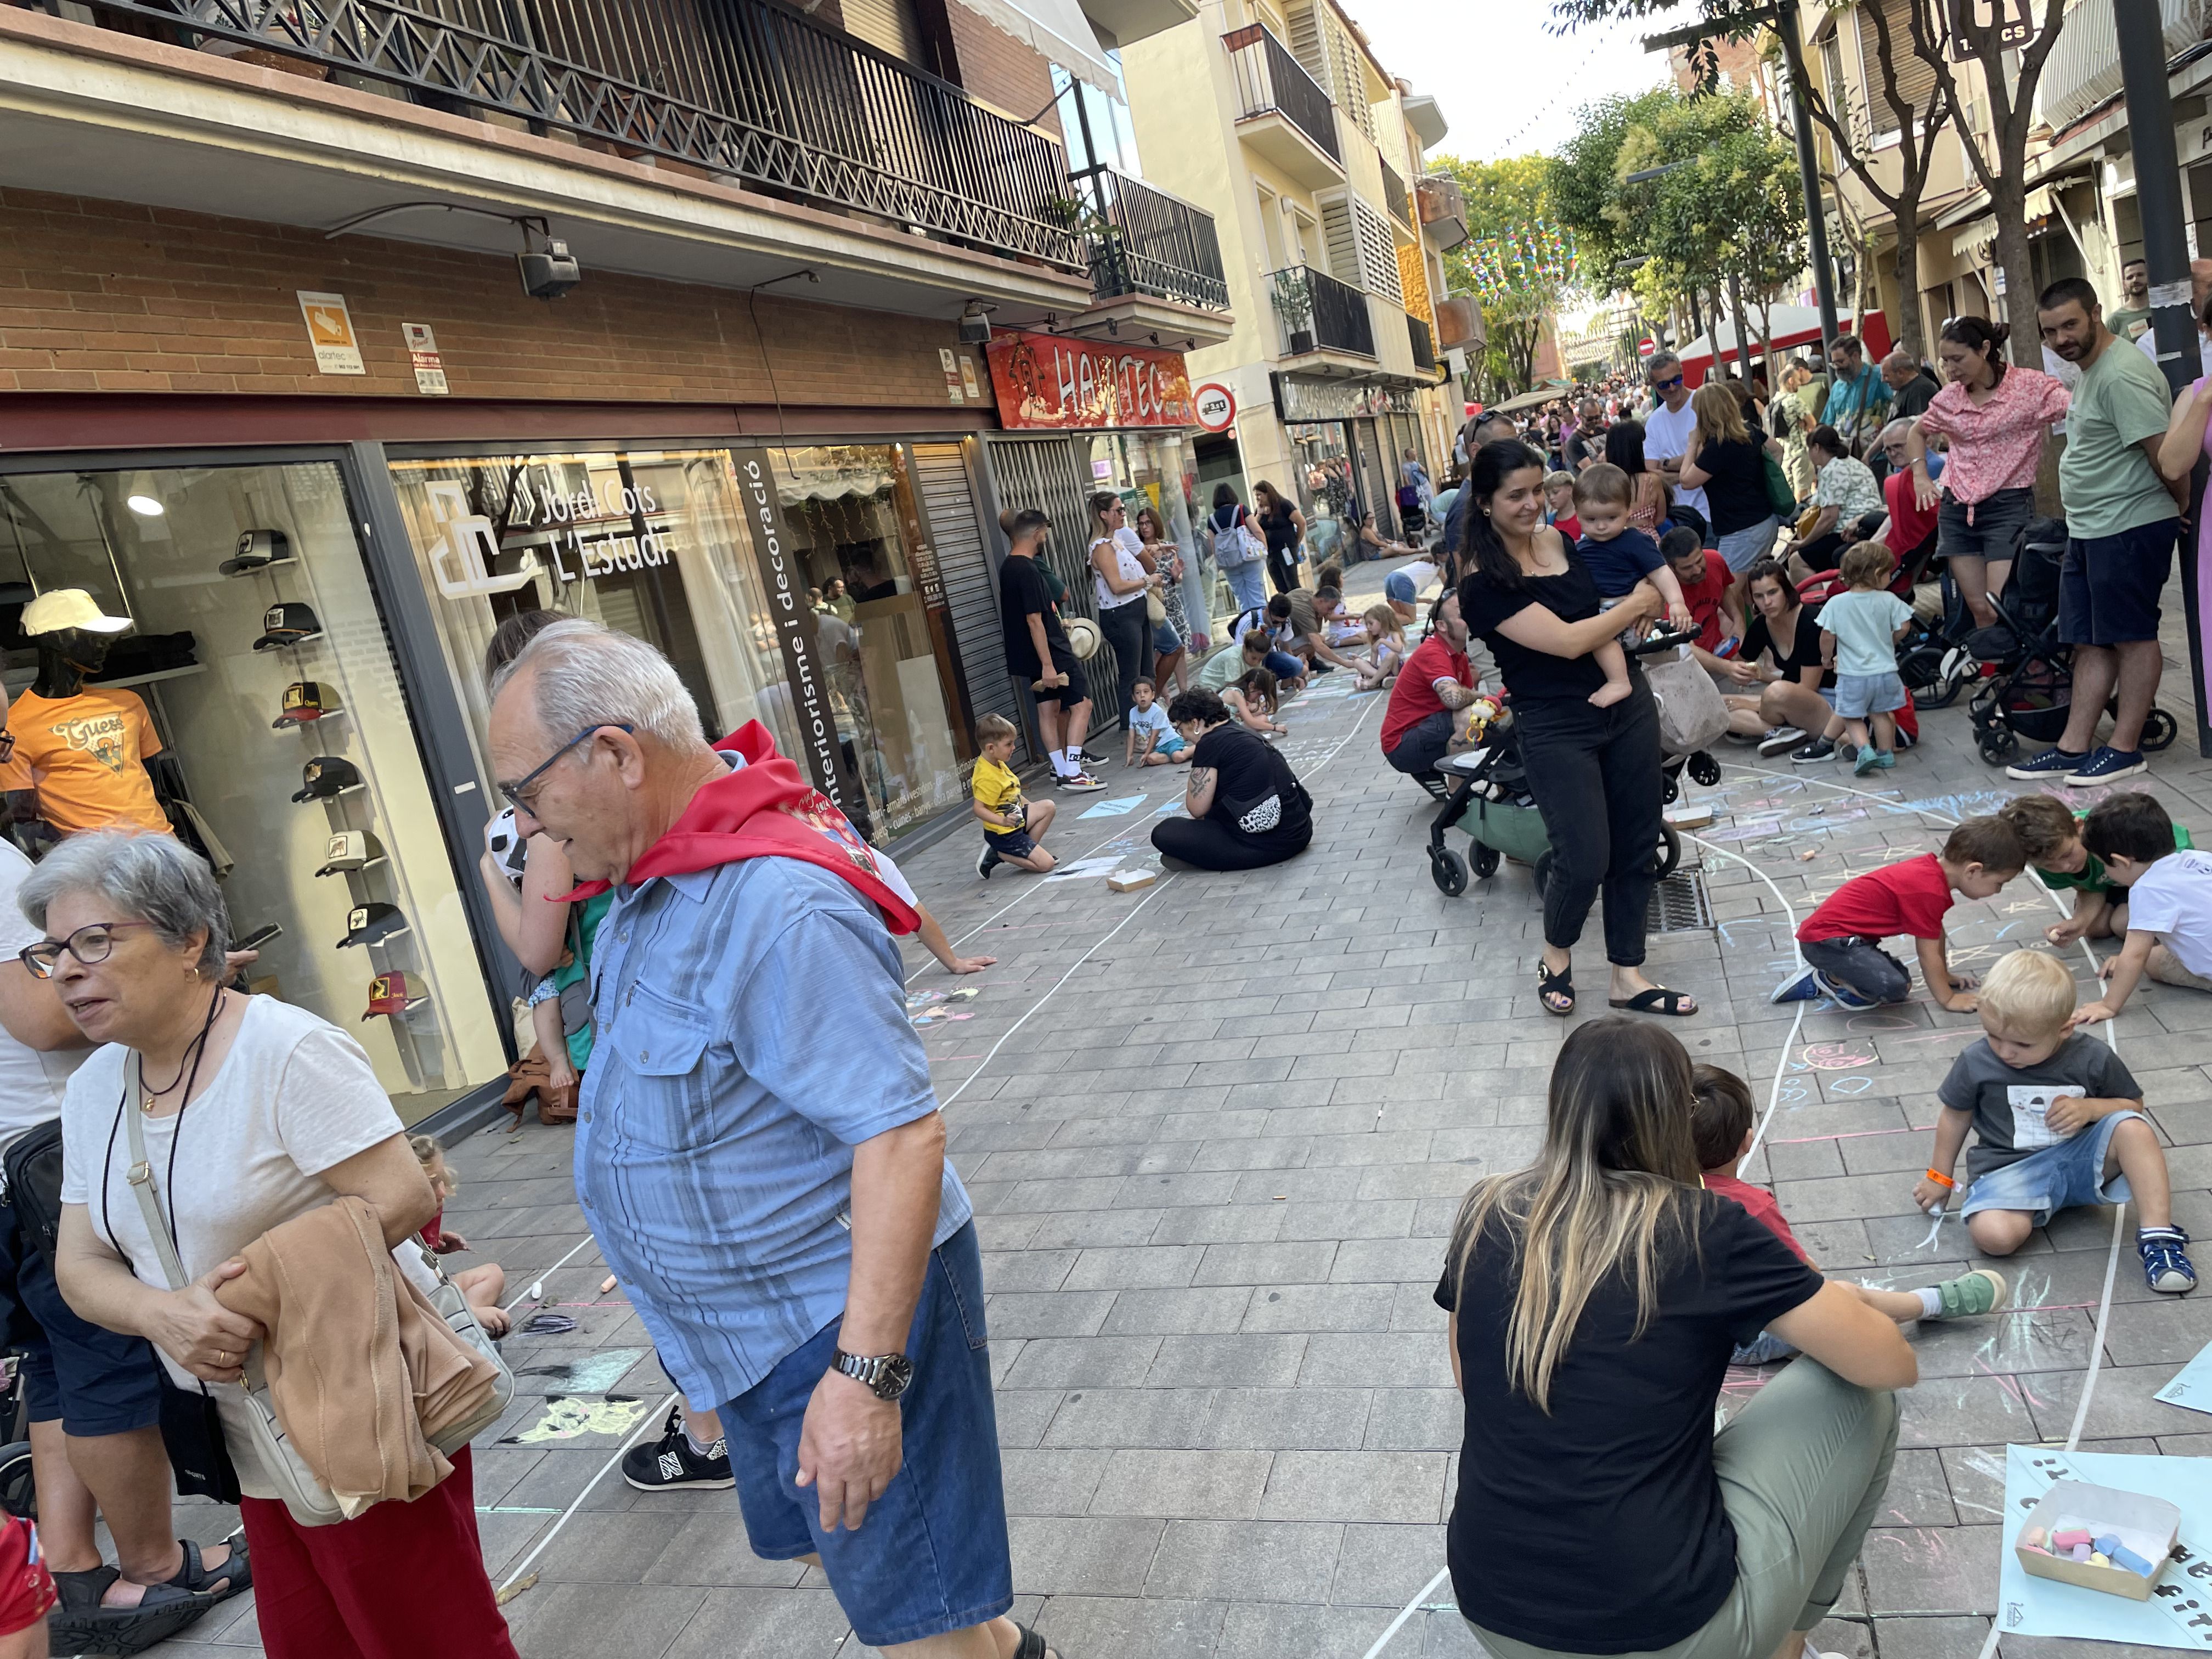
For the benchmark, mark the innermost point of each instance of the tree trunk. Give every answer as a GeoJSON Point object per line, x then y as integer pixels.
{"type": "Point", "coordinates": [2009, 204]}
{"type": "Point", "coordinates": [1766, 344]}
{"type": "Point", "coordinates": [1910, 335]}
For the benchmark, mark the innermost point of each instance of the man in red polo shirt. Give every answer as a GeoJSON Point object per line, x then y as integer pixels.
{"type": "Point", "coordinates": [1909, 529]}
{"type": "Point", "coordinates": [1436, 681]}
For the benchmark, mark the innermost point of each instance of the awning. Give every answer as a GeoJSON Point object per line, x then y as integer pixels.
{"type": "Point", "coordinates": [1056, 29]}
{"type": "Point", "coordinates": [1973, 240]}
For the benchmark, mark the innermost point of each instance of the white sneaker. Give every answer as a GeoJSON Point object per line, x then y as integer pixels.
{"type": "Point", "coordinates": [1080, 783]}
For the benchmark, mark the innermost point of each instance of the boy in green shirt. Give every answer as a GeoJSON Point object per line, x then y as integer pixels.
{"type": "Point", "coordinates": [2050, 834]}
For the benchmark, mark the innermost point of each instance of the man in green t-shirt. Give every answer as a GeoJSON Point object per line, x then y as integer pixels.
{"type": "Point", "coordinates": [2122, 516]}
{"type": "Point", "coordinates": [2131, 318]}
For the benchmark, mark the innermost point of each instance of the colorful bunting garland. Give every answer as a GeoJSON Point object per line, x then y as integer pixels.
{"type": "Point", "coordinates": [1536, 255]}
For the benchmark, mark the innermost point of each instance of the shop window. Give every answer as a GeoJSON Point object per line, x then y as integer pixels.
{"type": "Point", "coordinates": [884, 632]}
{"type": "Point", "coordinates": [257, 696]}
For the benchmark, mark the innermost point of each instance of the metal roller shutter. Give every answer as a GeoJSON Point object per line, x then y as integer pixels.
{"type": "Point", "coordinates": [940, 472]}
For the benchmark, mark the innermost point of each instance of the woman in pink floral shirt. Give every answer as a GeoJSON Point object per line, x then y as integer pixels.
{"type": "Point", "coordinates": [1995, 413]}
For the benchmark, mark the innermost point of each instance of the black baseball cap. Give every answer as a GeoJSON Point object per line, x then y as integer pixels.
{"type": "Point", "coordinates": [324, 776]}
{"type": "Point", "coordinates": [304, 700]}
{"type": "Point", "coordinates": [370, 924]}
{"type": "Point", "coordinates": [287, 624]}
{"type": "Point", "coordinates": [255, 549]}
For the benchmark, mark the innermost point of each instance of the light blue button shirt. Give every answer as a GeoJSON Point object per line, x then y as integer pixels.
{"type": "Point", "coordinates": [751, 1030]}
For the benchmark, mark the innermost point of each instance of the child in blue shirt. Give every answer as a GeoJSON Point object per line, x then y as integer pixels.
{"type": "Point", "coordinates": [1618, 556]}
{"type": "Point", "coordinates": [1859, 631]}
{"type": "Point", "coordinates": [1153, 741]}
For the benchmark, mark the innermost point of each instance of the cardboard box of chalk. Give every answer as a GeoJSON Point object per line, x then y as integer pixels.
{"type": "Point", "coordinates": [1128, 881]}
{"type": "Point", "coordinates": [2099, 1538]}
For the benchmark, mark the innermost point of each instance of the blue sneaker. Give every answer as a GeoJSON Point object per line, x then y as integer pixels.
{"type": "Point", "coordinates": [2107, 764]}
{"type": "Point", "coordinates": [2165, 1260]}
{"type": "Point", "coordinates": [2053, 765]}
{"type": "Point", "coordinates": [1842, 995]}
{"type": "Point", "coordinates": [1800, 986]}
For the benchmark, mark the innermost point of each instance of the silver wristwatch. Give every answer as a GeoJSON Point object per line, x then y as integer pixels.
{"type": "Point", "coordinates": [886, 1374]}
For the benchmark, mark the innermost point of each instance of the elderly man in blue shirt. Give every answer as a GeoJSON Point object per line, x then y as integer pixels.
{"type": "Point", "coordinates": [760, 1154]}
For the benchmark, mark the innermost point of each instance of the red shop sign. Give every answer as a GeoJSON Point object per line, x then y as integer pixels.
{"type": "Point", "coordinates": [1045, 382]}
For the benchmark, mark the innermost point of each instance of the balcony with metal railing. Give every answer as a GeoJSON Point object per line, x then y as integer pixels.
{"type": "Point", "coordinates": [1282, 110]}
{"type": "Point", "coordinates": [747, 92]}
{"type": "Point", "coordinates": [1424, 351]}
{"type": "Point", "coordinates": [1141, 240]}
{"type": "Point", "coordinates": [1397, 198]}
{"type": "Point", "coordinates": [1316, 312]}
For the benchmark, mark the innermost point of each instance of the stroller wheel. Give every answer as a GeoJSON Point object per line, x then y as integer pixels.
{"type": "Point", "coordinates": [1449, 871]}
{"type": "Point", "coordinates": [1671, 789]}
{"type": "Point", "coordinates": [1670, 853]}
{"type": "Point", "coordinates": [2160, 731]}
{"type": "Point", "coordinates": [1486, 860]}
{"type": "Point", "coordinates": [1999, 743]}
{"type": "Point", "coordinates": [1703, 768]}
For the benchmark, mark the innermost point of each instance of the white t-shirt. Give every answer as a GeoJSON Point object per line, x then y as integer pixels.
{"type": "Point", "coordinates": [32, 1085]}
{"type": "Point", "coordinates": [294, 1095]}
{"type": "Point", "coordinates": [2174, 899]}
{"type": "Point", "coordinates": [1667, 434]}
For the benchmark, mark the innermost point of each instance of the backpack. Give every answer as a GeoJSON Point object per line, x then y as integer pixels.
{"type": "Point", "coordinates": [1234, 543]}
{"type": "Point", "coordinates": [1408, 498]}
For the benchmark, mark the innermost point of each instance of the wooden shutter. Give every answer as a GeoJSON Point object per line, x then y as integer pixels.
{"type": "Point", "coordinates": [888, 26]}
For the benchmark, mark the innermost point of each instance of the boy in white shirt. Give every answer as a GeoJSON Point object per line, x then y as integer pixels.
{"type": "Point", "coordinates": [2169, 902]}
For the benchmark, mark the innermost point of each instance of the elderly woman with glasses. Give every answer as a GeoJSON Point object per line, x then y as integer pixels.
{"type": "Point", "coordinates": [253, 1112]}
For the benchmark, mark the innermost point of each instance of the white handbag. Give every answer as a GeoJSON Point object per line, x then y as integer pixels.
{"type": "Point", "coordinates": [1692, 711]}
{"type": "Point", "coordinates": [311, 1503]}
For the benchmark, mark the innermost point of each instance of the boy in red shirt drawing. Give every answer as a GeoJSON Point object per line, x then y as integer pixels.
{"type": "Point", "coordinates": [1841, 940]}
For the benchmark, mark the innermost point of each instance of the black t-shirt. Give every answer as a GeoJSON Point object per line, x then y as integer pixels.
{"type": "Point", "coordinates": [1737, 490]}
{"type": "Point", "coordinates": [1255, 791]}
{"type": "Point", "coordinates": [1587, 445]}
{"type": "Point", "coordinates": [1803, 651]}
{"type": "Point", "coordinates": [1022, 594]}
{"type": "Point", "coordinates": [1911, 402]}
{"type": "Point", "coordinates": [1534, 676]}
{"type": "Point", "coordinates": [1282, 535]}
{"type": "Point", "coordinates": [1620, 1472]}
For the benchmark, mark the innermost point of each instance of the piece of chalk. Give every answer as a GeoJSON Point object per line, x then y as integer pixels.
{"type": "Point", "coordinates": [2099, 1559]}
{"type": "Point", "coordinates": [2034, 1537]}
{"type": "Point", "coordinates": [2079, 1552]}
{"type": "Point", "coordinates": [2108, 1544]}
{"type": "Point", "coordinates": [2123, 1557]}
{"type": "Point", "coordinates": [2069, 1537]}
{"type": "Point", "coordinates": [2037, 1548]}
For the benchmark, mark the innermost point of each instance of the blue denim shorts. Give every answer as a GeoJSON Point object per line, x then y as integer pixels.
{"type": "Point", "coordinates": [93, 1380]}
{"type": "Point", "coordinates": [1398, 586]}
{"type": "Point", "coordinates": [931, 1555]}
{"type": "Point", "coordinates": [1858, 695]}
{"type": "Point", "coordinates": [2055, 1178]}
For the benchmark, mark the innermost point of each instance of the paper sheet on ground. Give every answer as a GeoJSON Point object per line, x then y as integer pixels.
{"type": "Point", "coordinates": [2179, 1612]}
{"type": "Point", "coordinates": [2192, 1385]}
{"type": "Point", "coordinates": [1115, 808]}
{"type": "Point", "coordinates": [1082, 867]}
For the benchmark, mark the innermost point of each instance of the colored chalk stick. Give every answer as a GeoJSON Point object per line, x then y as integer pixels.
{"type": "Point", "coordinates": [2033, 1538]}
{"type": "Point", "coordinates": [2068, 1539]}
{"type": "Point", "coordinates": [2106, 1545]}
{"type": "Point", "coordinates": [2099, 1559]}
{"type": "Point", "coordinates": [2123, 1557]}
{"type": "Point", "coordinates": [2079, 1552]}
{"type": "Point", "coordinates": [2037, 1548]}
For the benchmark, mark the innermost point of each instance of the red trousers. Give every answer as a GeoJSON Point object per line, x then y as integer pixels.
{"type": "Point", "coordinates": [400, 1581]}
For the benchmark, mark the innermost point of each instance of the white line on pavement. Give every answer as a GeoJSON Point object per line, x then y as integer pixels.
{"type": "Point", "coordinates": [659, 1413]}
{"type": "Point", "coordinates": [1797, 1022]}
{"type": "Point", "coordinates": [1406, 1613]}
{"type": "Point", "coordinates": [540, 1278]}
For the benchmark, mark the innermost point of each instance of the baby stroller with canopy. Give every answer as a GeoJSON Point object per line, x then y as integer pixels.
{"type": "Point", "coordinates": [2028, 691]}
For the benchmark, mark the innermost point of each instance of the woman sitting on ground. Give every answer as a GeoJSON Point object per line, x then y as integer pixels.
{"type": "Point", "coordinates": [1247, 809]}
{"type": "Point", "coordinates": [1595, 1298]}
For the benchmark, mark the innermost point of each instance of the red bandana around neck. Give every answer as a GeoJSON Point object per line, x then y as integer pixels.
{"type": "Point", "coordinates": [764, 809]}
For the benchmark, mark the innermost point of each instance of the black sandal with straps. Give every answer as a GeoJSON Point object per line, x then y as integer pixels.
{"type": "Point", "coordinates": [1550, 985]}
{"type": "Point", "coordinates": [1033, 1646]}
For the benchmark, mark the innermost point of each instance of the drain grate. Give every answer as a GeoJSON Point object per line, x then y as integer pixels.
{"type": "Point", "coordinates": [1680, 904]}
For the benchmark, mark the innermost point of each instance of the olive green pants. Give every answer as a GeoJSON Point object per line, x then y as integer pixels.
{"type": "Point", "coordinates": [1803, 1469]}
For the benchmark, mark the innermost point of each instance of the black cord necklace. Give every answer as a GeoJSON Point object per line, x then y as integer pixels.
{"type": "Point", "coordinates": [187, 1066]}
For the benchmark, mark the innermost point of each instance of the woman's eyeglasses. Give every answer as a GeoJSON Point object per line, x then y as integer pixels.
{"type": "Point", "coordinates": [90, 945]}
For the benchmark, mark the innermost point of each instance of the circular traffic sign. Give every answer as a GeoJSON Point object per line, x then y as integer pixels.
{"type": "Point", "coordinates": [1647, 345]}
{"type": "Point", "coordinates": [1216, 405]}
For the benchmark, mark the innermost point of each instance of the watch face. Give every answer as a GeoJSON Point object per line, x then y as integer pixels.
{"type": "Point", "coordinates": [898, 1372]}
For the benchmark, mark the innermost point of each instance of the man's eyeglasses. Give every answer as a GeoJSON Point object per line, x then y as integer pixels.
{"type": "Point", "coordinates": [7, 746]}
{"type": "Point", "coordinates": [90, 945]}
{"type": "Point", "coordinates": [518, 793]}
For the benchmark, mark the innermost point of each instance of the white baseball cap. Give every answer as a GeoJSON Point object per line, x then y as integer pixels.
{"type": "Point", "coordinates": [66, 608]}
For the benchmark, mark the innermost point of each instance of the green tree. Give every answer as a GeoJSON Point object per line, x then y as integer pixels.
{"type": "Point", "coordinates": [1519, 260]}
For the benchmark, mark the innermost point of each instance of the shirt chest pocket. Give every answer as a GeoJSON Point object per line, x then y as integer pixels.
{"type": "Point", "coordinates": [656, 1035]}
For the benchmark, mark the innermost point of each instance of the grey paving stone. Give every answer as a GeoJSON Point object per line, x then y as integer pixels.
{"type": "Point", "coordinates": [1361, 1485]}
{"type": "Point", "coordinates": [1105, 1625]}
{"type": "Point", "coordinates": [745, 1624]}
{"type": "Point", "coordinates": [1260, 1560]}
{"type": "Point", "coordinates": [1095, 1555]}
{"type": "Point", "coordinates": [1115, 1418]}
{"type": "Point", "coordinates": [1239, 1362]}
{"type": "Point", "coordinates": [1213, 1308]}
{"type": "Point", "coordinates": [1198, 1486]}
{"type": "Point", "coordinates": [1307, 1419]}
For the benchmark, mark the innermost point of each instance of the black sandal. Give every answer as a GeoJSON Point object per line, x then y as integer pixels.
{"type": "Point", "coordinates": [1550, 985]}
{"type": "Point", "coordinates": [1677, 1005]}
{"type": "Point", "coordinates": [79, 1624]}
{"type": "Point", "coordinates": [1032, 1645]}
{"type": "Point", "coordinates": [236, 1574]}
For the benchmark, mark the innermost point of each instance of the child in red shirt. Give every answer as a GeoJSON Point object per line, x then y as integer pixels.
{"type": "Point", "coordinates": [1841, 940]}
{"type": "Point", "coordinates": [27, 1591]}
{"type": "Point", "coordinates": [1720, 1122]}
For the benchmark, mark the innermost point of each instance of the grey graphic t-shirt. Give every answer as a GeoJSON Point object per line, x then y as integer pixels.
{"type": "Point", "coordinates": [2009, 1103]}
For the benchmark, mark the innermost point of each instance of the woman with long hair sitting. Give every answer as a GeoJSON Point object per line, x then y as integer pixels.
{"type": "Point", "coordinates": [1595, 1298]}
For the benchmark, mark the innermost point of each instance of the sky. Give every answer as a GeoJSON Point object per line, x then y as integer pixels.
{"type": "Point", "coordinates": [1522, 97]}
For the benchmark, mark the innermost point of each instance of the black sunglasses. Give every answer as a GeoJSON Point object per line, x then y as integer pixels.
{"type": "Point", "coordinates": [1666, 386]}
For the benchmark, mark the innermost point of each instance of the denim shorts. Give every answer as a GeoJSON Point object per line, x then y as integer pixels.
{"type": "Point", "coordinates": [1742, 548]}
{"type": "Point", "coordinates": [2055, 1178]}
{"type": "Point", "coordinates": [2109, 587]}
{"type": "Point", "coordinates": [1398, 586]}
{"type": "Point", "coordinates": [931, 1555]}
{"type": "Point", "coordinates": [1009, 843]}
{"type": "Point", "coordinates": [1858, 695]}
{"type": "Point", "coordinates": [94, 1381]}
{"type": "Point", "coordinates": [1994, 531]}
{"type": "Point", "coordinates": [1166, 640]}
